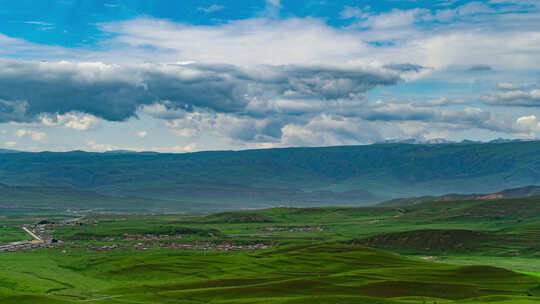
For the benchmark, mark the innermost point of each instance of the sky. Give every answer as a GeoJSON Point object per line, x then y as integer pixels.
{"type": "Point", "coordinates": [185, 76]}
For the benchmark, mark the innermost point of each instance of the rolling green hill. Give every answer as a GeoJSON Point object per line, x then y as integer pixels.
{"type": "Point", "coordinates": [509, 193]}
{"type": "Point", "coordinates": [310, 176]}
{"type": "Point", "coordinates": [443, 252]}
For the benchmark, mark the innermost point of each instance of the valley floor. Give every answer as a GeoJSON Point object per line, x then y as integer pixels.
{"type": "Point", "coordinates": [456, 252]}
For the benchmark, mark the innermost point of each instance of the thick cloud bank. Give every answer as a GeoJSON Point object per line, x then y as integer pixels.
{"type": "Point", "coordinates": [115, 92]}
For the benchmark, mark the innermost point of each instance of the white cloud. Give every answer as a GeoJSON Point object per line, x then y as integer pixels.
{"type": "Point", "coordinates": [472, 35]}
{"type": "Point", "coordinates": [354, 12]}
{"type": "Point", "coordinates": [403, 34]}
{"type": "Point", "coordinates": [33, 135]}
{"type": "Point", "coordinates": [190, 147]}
{"type": "Point", "coordinates": [394, 18]}
{"type": "Point", "coordinates": [326, 130]}
{"type": "Point", "coordinates": [514, 97]}
{"type": "Point", "coordinates": [508, 86]}
{"type": "Point", "coordinates": [91, 145]}
{"type": "Point", "coordinates": [10, 144]}
{"type": "Point", "coordinates": [281, 123]}
{"type": "Point", "coordinates": [472, 8]}
{"type": "Point", "coordinates": [38, 23]}
{"type": "Point", "coordinates": [529, 125]}
{"type": "Point", "coordinates": [251, 41]}
{"type": "Point", "coordinates": [212, 8]}
{"type": "Point", "coordinates": [141, 134]}
{"type": "Point", "coordinates": [75, 121]}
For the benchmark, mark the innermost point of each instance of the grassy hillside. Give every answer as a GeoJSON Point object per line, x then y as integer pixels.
{"type": "Point", "coordinates": [508, 193]}
{"type": "Point", "coordinates": [330, 273]}
{"type": "Point", "coordinates": [316, 176]}
{"type": "Point", "coordinates": [499, 243]}
{"type": "Point", "coordinates": [447, 252]}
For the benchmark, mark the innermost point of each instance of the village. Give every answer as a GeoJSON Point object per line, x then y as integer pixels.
{"type": "Point", "coordinates": [198, 246]}
{"type": "Point", "coordinates": [42, 238]}
{"type": "Point", "coordinates": [293, 228]}
{"type": "Point", "coordinates": [39, 239]}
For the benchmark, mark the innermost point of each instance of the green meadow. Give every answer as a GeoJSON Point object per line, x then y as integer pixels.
{"type": "Point", "coordinates": [476, 251]}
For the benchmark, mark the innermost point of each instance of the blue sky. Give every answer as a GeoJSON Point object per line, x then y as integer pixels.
{"type": "Point", "coordinates": [182, 76]}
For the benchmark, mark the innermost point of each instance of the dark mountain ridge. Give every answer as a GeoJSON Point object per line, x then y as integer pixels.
{"type": "Point", "coordinates": [324, 175]}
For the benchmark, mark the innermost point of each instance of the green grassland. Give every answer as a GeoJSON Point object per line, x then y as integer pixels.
{"type": "Point", "coordinates": [331, 273]}
{"type": "Point", "coordinates": [468, 251]}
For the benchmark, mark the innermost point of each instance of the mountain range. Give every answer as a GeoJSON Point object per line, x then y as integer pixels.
{"type": "Point", "coordinates": [344, 175]}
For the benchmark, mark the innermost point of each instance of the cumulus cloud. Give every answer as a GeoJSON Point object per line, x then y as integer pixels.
{"type": "Point", "coordinates": [529, 125]}
{"type": "Point", "coordinates": [75, 121]}
{"type": "Point", "coordinates": [91, 145]}
{"type": "Point", "coordinates": [273, 87]}
{"type": "Point", "coordinates": [354, 12]}
{"type": "Point", "coordinates": [508, 86]}
{"type": "Point", "coordinates": [141, 134]}
{"type": "Point", "coordinates": [335, 122]}
{"type": "Point", "coordinates": [328, 130]}
{"type": "Point", "coordinates": [115, 92]}
{"type": "Point", "coordinates": [513, 97]}
{"type": "Point", "coordinates": [529, 122]}
{"type": "Point", "coordinates": [394, 18]}
{"type": "Point", "coordinates": [229, 126]}
{"type": "Point", "coordinates": [36, 136]}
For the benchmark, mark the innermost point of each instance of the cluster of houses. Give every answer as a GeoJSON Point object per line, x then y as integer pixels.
{"type": "Point", "coordinates": [105, 248]}
{"type": "Point", "coordinates": [43, 239]}
{"type": "Point", "coordinates": [143, 237]}
{"type": "Point", "coordinates": [201, 246]}
{"type": "Point", "coordinates": [46, 223]}
{"type": "Point", "coordinates": [293, 228]}
{"type": "Point", "coordinates": [40, 239]}
{"type": "Point", "coordinates": [28, 245]}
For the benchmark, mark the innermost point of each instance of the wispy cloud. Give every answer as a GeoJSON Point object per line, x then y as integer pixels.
{"type": "Point", "coordinates": [211, 8]}
{"type": "Point", "coordinates": [39, 23]}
